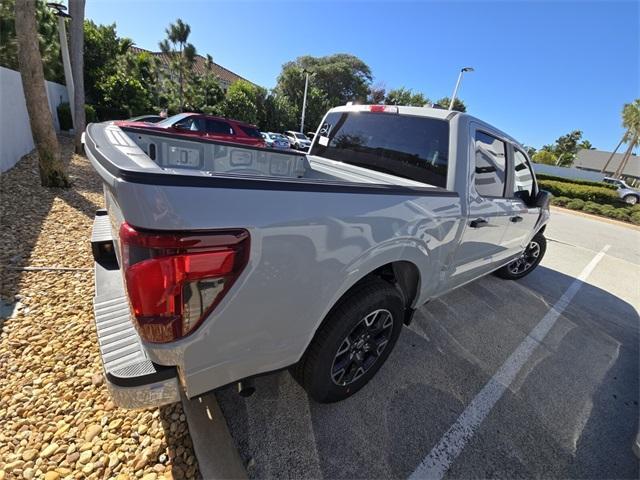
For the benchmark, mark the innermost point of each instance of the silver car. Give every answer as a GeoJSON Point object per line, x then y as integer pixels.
{"type": "Point", "coordinates": [625, 192]}
{"type": "Point", "coordinates": [298, 140]}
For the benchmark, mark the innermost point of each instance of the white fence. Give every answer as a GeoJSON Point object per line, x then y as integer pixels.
{"type": "Point", "coordinates": [15, 131]}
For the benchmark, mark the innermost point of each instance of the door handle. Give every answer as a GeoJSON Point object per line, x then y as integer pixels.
{"type": "Point", "coordinates": [516, 219]}
{"type": "Point", "coordinates": [479, 223]}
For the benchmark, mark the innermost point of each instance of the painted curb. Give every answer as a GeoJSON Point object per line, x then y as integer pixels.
{"type": "Point", "coordinates": [217, 455]}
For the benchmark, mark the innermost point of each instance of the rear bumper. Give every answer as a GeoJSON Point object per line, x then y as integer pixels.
{"type": "Point", "coordinates": [132, 379]}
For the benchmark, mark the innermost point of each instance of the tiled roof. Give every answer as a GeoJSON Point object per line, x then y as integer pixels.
{"type": "Point", "coordinates": [224, 74]}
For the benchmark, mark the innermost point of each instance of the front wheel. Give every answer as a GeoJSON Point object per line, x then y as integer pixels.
{"type": "Point", "coordinates": [630, 199]}
{"type": "Point", "coordinates": [527, 262]}
{"type": "Point", "coordinates": [353, 342]}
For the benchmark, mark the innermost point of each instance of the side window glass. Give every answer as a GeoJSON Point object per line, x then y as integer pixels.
{"type": "Point", "coordinates": [192, 124]}
{"type": "Point", "coordinates": [218, 127]}
{"type": "Point", "coordinates": [491, 161]}
{"type": "Point", "coordinates": [523, 176]}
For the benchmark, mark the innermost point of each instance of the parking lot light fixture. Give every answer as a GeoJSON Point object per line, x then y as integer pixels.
{"type": "Point", "coordinates": [455, 90]}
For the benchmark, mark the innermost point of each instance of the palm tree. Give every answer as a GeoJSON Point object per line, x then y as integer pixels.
{"type": "Point", "coordinates": [177, 36]}
{"type": "Point", "coordinates": [76, 10]}
{"type": "Point", "coordinates": [624, 138]}
{"type": "Point", "coordinates": [51, 167]}
{"type": "Point", "coordinates": [631, 121]}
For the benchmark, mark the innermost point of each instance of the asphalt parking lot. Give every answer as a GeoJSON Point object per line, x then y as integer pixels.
{"type": "Point", "coordinates": [535, 378]}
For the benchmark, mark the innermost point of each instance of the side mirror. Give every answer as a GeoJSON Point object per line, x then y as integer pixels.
{"type": "Point", "coordinates": [523, 195]}
{"type": "Point", "coordinates": [543, 199]}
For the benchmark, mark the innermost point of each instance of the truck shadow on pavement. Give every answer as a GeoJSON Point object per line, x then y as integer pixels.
{"type": "Point", "coordinates": [572, 411]}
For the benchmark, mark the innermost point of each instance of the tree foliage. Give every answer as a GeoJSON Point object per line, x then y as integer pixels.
{"type": "Point", "coordinates": [242, 102]}
{"type": "Point", "coordinates": [458, 105]}
{"type": "Point", "coordinates": [207, 93]}
{"type": "Point", "coordinates": [545, 156]}
{"type": "Point", "coordinates": [565, 148]}
{"type": "Point", "coordinates": [333, 80]}
{"type": "Point", "coordinates": [49, 42]}
{"type": "Point", "coordinates": [404, 96]}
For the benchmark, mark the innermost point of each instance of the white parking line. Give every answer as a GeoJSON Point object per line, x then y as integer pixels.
{"type": "Point", "coordinates": [442, 456]}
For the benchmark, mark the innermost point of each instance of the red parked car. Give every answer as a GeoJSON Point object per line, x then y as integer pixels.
{"type": "Point", "coordinates": [203, 126]}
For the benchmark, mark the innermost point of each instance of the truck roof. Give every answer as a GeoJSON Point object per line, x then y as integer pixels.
{"type": "Point", "coordinates": [439, 113]}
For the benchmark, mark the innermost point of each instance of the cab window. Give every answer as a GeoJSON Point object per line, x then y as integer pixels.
{"type": "Point", "coordinates": [523, 184]}
{"type": "Point", "coordinates": [491, 164]}
{"type": "Point", "coordinates": [407, 146]}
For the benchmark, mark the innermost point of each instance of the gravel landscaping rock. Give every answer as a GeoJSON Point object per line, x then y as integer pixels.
{"type": "Point", "coordinates": [56, 417]}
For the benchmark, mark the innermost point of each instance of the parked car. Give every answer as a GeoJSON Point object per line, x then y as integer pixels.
{"type": "Point", "coordinates": [310, 135]}
{"type": "Point", "coordinates": [282, 138]}
{"type": "Point", "coordinates": [312, 262]}
{"type": "Point", "coordinates": [147, 119]}
{"type": "Point", "coordinates": [190, 125]}
{"type": "Point", "coordinates": [297, 140]}
{"type": "Point", "coordinates": [625, 192]}
{"type": "Point", "coordinates": [275, 141]}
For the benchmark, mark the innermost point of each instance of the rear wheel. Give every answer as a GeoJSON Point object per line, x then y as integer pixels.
{"type": "Point", "coordinates": [352, 344]}
{"type": "Point", "coordinates": [527, 262]}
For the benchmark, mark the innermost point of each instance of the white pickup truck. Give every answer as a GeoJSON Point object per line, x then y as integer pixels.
{"type": "Point", "coordinates": [217, 262]}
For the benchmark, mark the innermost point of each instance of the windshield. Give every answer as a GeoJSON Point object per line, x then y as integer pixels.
{"type": "Point", "coordinates": [301, 136]}
{"type": "Point", "coordinates": [411, 147]}
{"type": "Point", "coordinates": [167, 122]}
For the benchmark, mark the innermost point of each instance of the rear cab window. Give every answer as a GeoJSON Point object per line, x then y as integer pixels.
{"type": "Point", "coordinates": [524, 184]}
{"type": "Point", "coordinates": [407, 146]}
{"type": "Point", "coordinates": [490, 165]}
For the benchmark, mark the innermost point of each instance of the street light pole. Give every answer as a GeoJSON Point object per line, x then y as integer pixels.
{"type": "Point", "coordinates": [66, 60]}
{"type": "Point", "coordinates": [304, 100]}
{"type": "Point", "coordinates": [455, 90]}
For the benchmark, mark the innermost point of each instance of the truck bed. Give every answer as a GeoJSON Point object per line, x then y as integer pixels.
{"type": "Point", "coordinates": [135, 153]}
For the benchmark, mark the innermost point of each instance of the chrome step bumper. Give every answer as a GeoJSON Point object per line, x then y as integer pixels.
{"type": "Point", "coordinates": [133, 380]}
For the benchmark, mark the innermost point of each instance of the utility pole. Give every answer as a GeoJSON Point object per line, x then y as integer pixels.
{"type": "Point", "coordinates": [455, 90]}
{"type": "Point", "coordinates": [304, 100]}
{"type": "Point", "coordinates": [64, 50]}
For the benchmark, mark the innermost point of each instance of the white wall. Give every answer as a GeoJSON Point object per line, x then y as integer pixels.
{"type": "Point", "coordinates": [15, 132]}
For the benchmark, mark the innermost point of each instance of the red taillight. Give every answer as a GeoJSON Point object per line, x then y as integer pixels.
{"type": "Point", "coordinates": [175, 280]}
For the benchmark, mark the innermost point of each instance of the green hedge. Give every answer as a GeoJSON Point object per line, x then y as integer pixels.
{"type": "Point", "coordinates": [542, 176]}
{"type": "Point", "coordinates": [65, 119]}
{"type": "Point", "coordinates": [586, 193]}
{"type": "Point", "coordinates": [626, 214]}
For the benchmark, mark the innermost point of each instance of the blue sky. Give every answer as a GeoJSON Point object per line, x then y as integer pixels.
{"type": "Point", "coordinates": [543, 68]}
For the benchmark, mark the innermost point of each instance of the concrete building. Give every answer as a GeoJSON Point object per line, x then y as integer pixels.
{"type": "Point", "coordinates": [595, 160]}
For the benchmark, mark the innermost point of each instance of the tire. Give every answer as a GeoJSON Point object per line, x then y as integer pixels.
{"type": "Point", "coordinates": [527, 262]}
{"type": "Point", "coordinates": [341, 343]}
{"type": "Point", "coordinates": [630, 199]}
